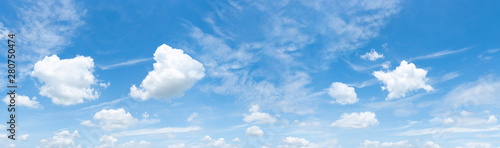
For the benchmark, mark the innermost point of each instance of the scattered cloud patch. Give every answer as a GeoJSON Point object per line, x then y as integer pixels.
{"type": "Point", "coordinates": [24, 101]}
{"type": "Point", "coordinates": [258, 117]}
{"type": "Point", "coordinates": [254, 131]}
{"type": "Point", "coordinates": [342, 93]}
{"type": "Point", "coordinates": [60, 139]}
{"type": "Point", "coordinates": [356, 120]}
{"type": "Point", "coordinates": [192, 117]}
{"type": "Point", "coordinates": [66, 81]}
{"type": "Point", "coordinates": [174, 72]}
{"type": "Point", "coordinates": [405, 78]}
{"type": "Point", "coordinates": [430, 144]}
{"type": "Point", "coordinates": [114, 119]}
{"type": "Point", "coordinates": [372, 55]}
{"type": "Point", "coordinates": [377, 144]}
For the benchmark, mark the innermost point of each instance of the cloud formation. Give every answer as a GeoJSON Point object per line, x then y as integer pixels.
{"type": "Point", "coordinates": [342, 93]}
{"type": "Point", "coordinates": [174, 72]}
{"type": "Point", "coordinates": [115, 119]}
{"type": "Point", "coordinates": [258, 117]}
{"type": "Point", "coordinates": [372, 55]}
{"type": "Point", "coordinates": [66, 81]}
{"type": "Point", "coordinates": [356, 120]}
{"type": "Point", "coordinates": [405, 78]}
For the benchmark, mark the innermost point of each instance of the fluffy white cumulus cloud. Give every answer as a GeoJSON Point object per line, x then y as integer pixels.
{"type": "Point", "coordinates": [258, 117]}
{"type": "Point", "coordinates": [66, 81]}
{"type": "Point", "coordinates": [342, 93]}
{"type": "Point", "coordinates": [24, 101]}
{"type": "Point", "coordinates": [356, 120]}
{"type": "Point", "coordinates": [213, 143]}
{"type": "Point", "coordinates": [115, 119]}
{"type": "Point", "coordinates": [60, 139]}
{"type": "Point", "coordinates": [254, 131]}
{"type": "Point", "coordinates": [372, 55]}
{"type": "Point", "coordinates": [430, 144]}
{"type": "Point", "coordinates": [295, 142]}
{"type": "Point", "coordinates": [405, 78]}
{"type": "Point", "coordinates": [174, 72]}
{"type": "Point", "coordinates": [377, 144]}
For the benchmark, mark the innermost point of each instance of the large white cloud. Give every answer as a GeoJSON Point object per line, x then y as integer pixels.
{"type": "Point", "coordinates": [377, 144]}
{"type": "Point", "coordinates": [115, 119]}
{"type": "Point", "coordinates": [66, 81]}
{"type": "Point", "coordinates": [258, 117]}
{"type": "Point", "coordinates": [24, 101]}
{"type": "Point", "coordinates": [60, 139]}
{"type": "Point", "coordinates": [174, 72]}
{"type": "Point", "coordinates": [356, 120]}
{"type": "Point", "coordinates": [254, 131]}
{"type": "Point", "coordinates": [372, 55]}
{"type": "Point", "coordinates": [405, 78]}
{"type": "Point", "coordinates": [342, 93]}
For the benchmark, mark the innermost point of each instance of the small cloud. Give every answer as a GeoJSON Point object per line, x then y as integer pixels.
{"type": "Point", "coordinates": [372, 55]}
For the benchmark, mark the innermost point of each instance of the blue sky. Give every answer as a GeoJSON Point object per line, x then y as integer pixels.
{"type": "Point", "coordinates": [281, 74]}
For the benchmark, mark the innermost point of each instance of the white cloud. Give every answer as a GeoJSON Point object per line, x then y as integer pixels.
{"type": "Point", "coordinates": [114, 119]}
{"type": "Point", "coordinates": [174, 72]}
{"type": "Point", "coordinates": [492, 120]}
{"type": "Point", "coordinates": [356, 120]}
{"type": "Point", "coordinates": [151, 131]}
{"type": "Point", "coordinates": [88, 123]}
{"type": "Point", "coordinates": [254, 131]}
{"type": "Point", "coordinates": [134, 144]}
{"type": "Point", "coordinates": [23, 137]}
{"type": "Point", "coordinates": [146, 120]}
{"type": "Point", "coordinates": [483, 56]}
{"type": "Point", "coordinates": [477, 145]}
{"type": "Point", "coordinates": [24, 101]}
{"type": "Point", "coordinates": [126, 63]}
{"type": "Point", "coordinates": [110, 142]}
{"type": "Point", "coordinates": [48, 25]}
{"type": "Point", "coordinates": [258, 117]}
{"type": "Point", "coordinates": [182, 145]}
{"type": "Point", "coordinates": [372, 55]}
{"type": "Point", "coordinates": [404, 79]}
{"type": "Point", "coordinates": [342, 93]}
{"type": "Point", "coordinates": [66, 81]}
{"type": "Point", "coordinates": [481, 92]}
{"type": "Point", "coordinates": [236, 139]}
{"type": "Point", "coordinates": [295, 142]}
{"type": "Point", "coordinates": [104, 85]}
{"type": "Point", "coordinates": [440, 53]}
{"type": "Point", "coordinates": [192, 116]}
{"type": "Point", "coordinates": [377, 144]}
{"type": "Point", "coordinates": [430, 131]}
{"type": "Point", "coordinates": [430, 144]}
{"type": "Point", "coordinates": [219, 143]}
{"type": "Point", "coordinates": [60, 139]}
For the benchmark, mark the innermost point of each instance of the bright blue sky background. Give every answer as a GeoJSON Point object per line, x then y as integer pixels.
{"type": "Point", "coordinates": [281, 56]}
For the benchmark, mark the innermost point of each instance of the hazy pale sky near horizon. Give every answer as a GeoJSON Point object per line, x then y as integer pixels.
{"type": "Point", "coordinates": [263, 74]}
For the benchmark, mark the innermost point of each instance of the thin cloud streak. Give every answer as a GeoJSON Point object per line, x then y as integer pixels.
{"type": "Point", "coordinates": [150, 131]}
{"type": "Point", "coordinates": [440, 53]}
{"type": "Point", "coordinates": [126, 63]}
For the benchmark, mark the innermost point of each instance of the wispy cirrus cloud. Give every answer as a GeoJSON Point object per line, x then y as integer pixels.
{"type": "Point", "coordinates": [126, 63]}
{"type": "Point", "coordinates": [440, 54]}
